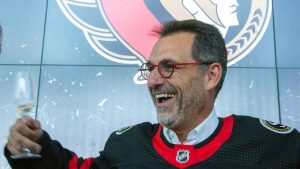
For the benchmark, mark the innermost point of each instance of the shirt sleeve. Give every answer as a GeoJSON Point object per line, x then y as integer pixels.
{"type": "Point", "coordinates": [54, 155]}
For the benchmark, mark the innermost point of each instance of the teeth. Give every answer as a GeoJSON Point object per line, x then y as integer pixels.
{"type": "Point", "coordinates": [159, 96]}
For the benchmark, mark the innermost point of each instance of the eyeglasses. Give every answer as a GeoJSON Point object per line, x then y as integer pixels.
{"type": "Point", "coordinates": [165, 68]}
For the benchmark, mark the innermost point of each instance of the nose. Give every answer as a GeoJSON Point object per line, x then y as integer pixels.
{"type": "Point", "coordinates": [155, 78]}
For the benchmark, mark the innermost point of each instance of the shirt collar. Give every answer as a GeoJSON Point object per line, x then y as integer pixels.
{"type": "Point", "coordinates": [198, 134]}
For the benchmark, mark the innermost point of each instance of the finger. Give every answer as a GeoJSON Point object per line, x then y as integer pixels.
{"type": "Point", "coordinates": [22, 128]}
{"type": "Point", "coordinates": [22, 136]}
{"type": "Point", "coordinates": [33, 124]}
{"type": "Point", "coordinates": [16, 142]}
{"type": "Point", "coordinates": [38, 133]}
{"type": "Point", "coordinates": [19, 142]}
{"type": "Point", "coordinates": [12, 149]}
{"type": "Point", "coordinates": [13, 146]}
{"type": "Point", "coordinates": [34, 148]}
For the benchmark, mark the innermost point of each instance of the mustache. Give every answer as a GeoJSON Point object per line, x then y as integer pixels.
{"type": "Point", "coordinates": [165, 88]}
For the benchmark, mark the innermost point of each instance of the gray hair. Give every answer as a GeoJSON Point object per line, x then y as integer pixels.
{"type": "Point", "coordinates": [208, 45]}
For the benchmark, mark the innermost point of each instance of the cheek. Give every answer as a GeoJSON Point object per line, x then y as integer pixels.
{"type": "Point", "coordinates": [187, 84]}
{"type": "Point", "coordinates": [194, 89]}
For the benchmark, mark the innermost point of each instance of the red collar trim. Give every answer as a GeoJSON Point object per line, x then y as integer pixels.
{"type": "Point", "coordinates": [182, 156]}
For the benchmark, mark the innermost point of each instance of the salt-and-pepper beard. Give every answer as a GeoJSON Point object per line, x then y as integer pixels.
{"type": "Point", "coordinates": [185, 106]}
{"type": "Point", "coordinates": [168, 122]}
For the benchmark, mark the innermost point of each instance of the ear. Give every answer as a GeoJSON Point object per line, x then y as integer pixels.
{"type": "Point", "coordinates": [213, 76]}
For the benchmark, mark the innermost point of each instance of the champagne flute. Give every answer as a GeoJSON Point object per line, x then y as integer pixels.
{"type": "Point", "coordinates": [24, 99]}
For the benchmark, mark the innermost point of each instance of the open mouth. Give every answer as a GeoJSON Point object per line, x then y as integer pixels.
{"type": "Point", "coordinates": [162, 98]}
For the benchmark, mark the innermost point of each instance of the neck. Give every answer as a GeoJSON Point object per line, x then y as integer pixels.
{"type": "Point", "coordinates": [182, 130]}
{"type": "Point", "coordinates": [182, 137]}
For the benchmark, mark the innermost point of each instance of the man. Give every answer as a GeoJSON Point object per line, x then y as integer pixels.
{"type": "Point", "coordinates": [185, 72]}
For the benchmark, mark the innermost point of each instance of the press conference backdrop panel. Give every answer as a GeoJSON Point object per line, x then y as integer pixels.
{"type": "Point", "coordinates": [84, 91]}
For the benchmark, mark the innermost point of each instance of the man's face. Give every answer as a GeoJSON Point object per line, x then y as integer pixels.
{"type": "Point", "coordinates": [177, 99]}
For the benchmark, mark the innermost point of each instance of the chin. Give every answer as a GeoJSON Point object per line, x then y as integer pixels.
{"type": "Point", "coordinates": [164, 118]}
{"type": "Point", "coordinates": [167, 119]}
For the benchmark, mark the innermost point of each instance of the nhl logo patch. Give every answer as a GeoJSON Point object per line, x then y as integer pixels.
{"type": "Point", "coordinates": [275, 127]}
{"type": "Point", "coordinates": [183, 156]}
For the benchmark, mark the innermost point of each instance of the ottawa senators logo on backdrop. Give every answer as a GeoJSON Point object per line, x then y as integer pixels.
{"type": "Point", "coordinates": [121, 30]}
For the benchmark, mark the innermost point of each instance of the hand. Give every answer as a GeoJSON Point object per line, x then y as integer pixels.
{"type": "Point", "coordinates": [25, 133]}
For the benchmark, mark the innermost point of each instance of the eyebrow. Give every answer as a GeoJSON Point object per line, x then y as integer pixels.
{"type": "Point", "coordinates": [164, 60]}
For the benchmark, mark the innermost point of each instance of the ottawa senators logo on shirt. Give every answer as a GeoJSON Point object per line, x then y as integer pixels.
{"type": "Point", "coordinates": [120, 31]}
{"type": "Point", "coordinates": [275, 127]}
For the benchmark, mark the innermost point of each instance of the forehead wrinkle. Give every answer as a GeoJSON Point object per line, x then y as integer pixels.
{"type": "Point", "coordinates": [176, 47]}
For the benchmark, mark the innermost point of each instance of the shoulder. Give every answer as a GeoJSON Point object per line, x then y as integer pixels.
{"type": "Point", "coordinates": [145, 129]}
{"type": "Point", "coordinates": [268, 127]}
{"type": "Point", "coordinates": [274, 144]}
{"type": "Point", "coordinates": [142, 127]}
{"type": "Point", "coordinates": [130, 137]}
